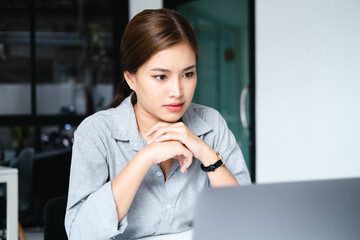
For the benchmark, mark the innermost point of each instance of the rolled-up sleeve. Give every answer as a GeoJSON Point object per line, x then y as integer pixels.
{"type": "Point", "coordinates": [225, 143]}
{"type": "Point", "coordinates": [91, 209]}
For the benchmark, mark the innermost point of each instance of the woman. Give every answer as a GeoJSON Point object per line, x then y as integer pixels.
{"type": "Point", "coordinates": [138, 167]}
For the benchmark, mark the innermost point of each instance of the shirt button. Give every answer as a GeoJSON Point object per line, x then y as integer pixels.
{"type": "Point", "coordinates": [158, 173]}
{"type": "Point", "coordinates": [168, 206]}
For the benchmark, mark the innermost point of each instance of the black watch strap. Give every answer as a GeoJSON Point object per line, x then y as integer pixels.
{"type": "Point", "coordinates": [214, 166]}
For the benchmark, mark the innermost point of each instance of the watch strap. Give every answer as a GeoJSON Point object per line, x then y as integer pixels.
{"type": "Point", "coordinates": [213, 167]}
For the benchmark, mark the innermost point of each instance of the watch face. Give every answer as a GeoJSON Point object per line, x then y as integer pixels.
{"type": "Point", "coordinates": [219, 157]}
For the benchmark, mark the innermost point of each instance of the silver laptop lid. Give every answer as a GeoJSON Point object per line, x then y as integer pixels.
{"type": "Point", "coordinates": [327, 209]}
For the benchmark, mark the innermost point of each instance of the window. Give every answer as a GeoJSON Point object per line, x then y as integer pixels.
{"type": "Point", "coordinates": [59, 63]}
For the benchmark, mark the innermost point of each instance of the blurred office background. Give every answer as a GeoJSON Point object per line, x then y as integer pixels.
{"type": "Point", "coordinates": [58, 64]}
{"type": "Point", "coordinates": [284, 73]}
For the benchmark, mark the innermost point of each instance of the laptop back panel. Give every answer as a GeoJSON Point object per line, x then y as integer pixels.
{"type": "Point", "coordinates": [327, 209]}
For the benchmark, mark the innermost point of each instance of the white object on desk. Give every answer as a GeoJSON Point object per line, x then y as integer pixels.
{"type": "Point", "coordinates": [188, 235]}
{"type": "Point", "coordinates": [9, 176]}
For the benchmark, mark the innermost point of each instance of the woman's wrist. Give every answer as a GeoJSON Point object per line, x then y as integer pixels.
{"type": "Point", "coordinates": [146, 156]}
{"type": "Point", "coordinates": [209, 157]}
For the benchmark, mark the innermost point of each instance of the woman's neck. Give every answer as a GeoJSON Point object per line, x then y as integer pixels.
{"type": "Point", "coordinates": [144, 121]}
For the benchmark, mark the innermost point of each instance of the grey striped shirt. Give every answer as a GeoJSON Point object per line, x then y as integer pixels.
{"type": "Point", "coordinates": [105, 142]}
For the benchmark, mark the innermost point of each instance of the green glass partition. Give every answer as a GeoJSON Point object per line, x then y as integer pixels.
{"type": "Point", "coordinates": [223, 65]}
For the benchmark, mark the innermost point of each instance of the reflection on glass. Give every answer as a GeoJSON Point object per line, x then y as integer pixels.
{"type": "Point", "coordinates": [73, 57]}
{"type": "Point", "coordinates": [14, 60]}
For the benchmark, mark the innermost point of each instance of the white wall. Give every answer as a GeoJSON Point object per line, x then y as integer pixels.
{"type": "Point", "coordinates": [307, 89]}
{"type": "Point", "coordinates": [136, 6]}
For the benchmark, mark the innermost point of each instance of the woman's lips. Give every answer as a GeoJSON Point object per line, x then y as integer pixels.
{"type": "Point", "coordinates": [174, 107]}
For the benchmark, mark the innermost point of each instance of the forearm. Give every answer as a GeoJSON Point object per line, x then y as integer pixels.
{"type": "Point", "coordinates": [127, 182]}
{"type": "Point", "coordinates": [221, 177]}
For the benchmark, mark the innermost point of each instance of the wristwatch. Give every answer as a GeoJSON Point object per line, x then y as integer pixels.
{"type": "Point", "coordinates": [214, 166]}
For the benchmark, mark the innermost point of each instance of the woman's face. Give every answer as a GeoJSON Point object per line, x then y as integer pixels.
{"type": "Point", "coordinates": [165, 84]}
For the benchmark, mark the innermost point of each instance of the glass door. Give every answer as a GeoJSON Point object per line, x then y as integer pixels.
{"type": "Point", "coordinates": [223, 66]}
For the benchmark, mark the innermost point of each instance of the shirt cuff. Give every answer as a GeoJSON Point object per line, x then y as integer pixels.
{"type": "Point", "coordinates": [105, 201]}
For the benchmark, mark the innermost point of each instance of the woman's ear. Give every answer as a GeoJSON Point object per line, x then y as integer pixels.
{"type": "Point", "coordinates": [130, 79]}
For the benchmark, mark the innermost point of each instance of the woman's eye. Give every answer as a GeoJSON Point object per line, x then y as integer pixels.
{"type": "Point", "coordinates": [189, 74]}
{"type": "Point", "coordinates": [160, 77]}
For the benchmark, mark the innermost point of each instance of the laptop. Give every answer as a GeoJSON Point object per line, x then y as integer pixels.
{"type": "Point", "coordinates": [326, 209]}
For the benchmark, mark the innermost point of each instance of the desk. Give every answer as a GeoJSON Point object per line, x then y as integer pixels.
{"type": "Point", "coordinates": [9, 176]}
{"type": "Point", "coordinates": [177, 236]}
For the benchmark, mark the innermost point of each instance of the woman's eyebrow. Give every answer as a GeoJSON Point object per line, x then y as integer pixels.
{"type": "Point", "coordinates": [167, 70]}
{"type": "Point", "coordinates": [190, 67]}
{"type": "Point", "coordinates": [160, 70]}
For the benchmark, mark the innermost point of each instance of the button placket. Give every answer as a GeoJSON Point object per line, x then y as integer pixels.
{"type": "Point", "coordinates": [168, 209]}
{"type": "Point", "coordinates": [158, 175]}
{"type": "Point", "coordinates": [172, 193]}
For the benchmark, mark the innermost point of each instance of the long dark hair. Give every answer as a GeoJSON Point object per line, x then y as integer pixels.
{"type": "Point", "coordinates": [149, 32]}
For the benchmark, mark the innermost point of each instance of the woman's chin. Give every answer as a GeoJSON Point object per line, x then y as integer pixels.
{"type": "Point", "coordinates": [173, 118]}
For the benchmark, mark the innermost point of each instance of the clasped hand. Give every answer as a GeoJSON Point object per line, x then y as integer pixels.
{"type": "Point", "coordinates": [177, 141]}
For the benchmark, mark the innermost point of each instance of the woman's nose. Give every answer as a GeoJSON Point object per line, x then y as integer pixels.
{"type": "Point", "coordinates": [176, 88]}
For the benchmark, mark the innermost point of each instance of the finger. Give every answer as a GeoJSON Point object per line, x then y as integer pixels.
{"type": "Point", "coordinates": [180, 160]}
{"type": "Point", "coordinates": [179, 124]}
{"type": "Point", "coordinates": [167, 137]}
{"type": "Point", "coordinates": [174, 136]}
{"type": "Point", "coordinates": [155, 134]}
{"type": "Point", "coordinates": [185, 159]}
{"type": "Point", "coordinates": [163, 131]}
{"type": "Point", "coordinates": [182, 164]}
{"type": "Point", "coordinates": [186, 165]}
{"type": "Point", "coordinates": [188, 162]}
{"type": "Point", "coordinates": [183, 169]}
{"type": "Point", "coordinates": [174, 149]}
{"type": "Point", "coordinates": [156, 127]}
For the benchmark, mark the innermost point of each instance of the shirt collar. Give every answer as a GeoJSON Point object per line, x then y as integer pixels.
{"type": "Point", "coordinates": [124, 126]}
{"type": "Point", "coordinates": [194, 122]}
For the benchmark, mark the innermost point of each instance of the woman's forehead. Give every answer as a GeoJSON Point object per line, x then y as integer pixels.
{"type": "Point", "coordinates": [180, 56]}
